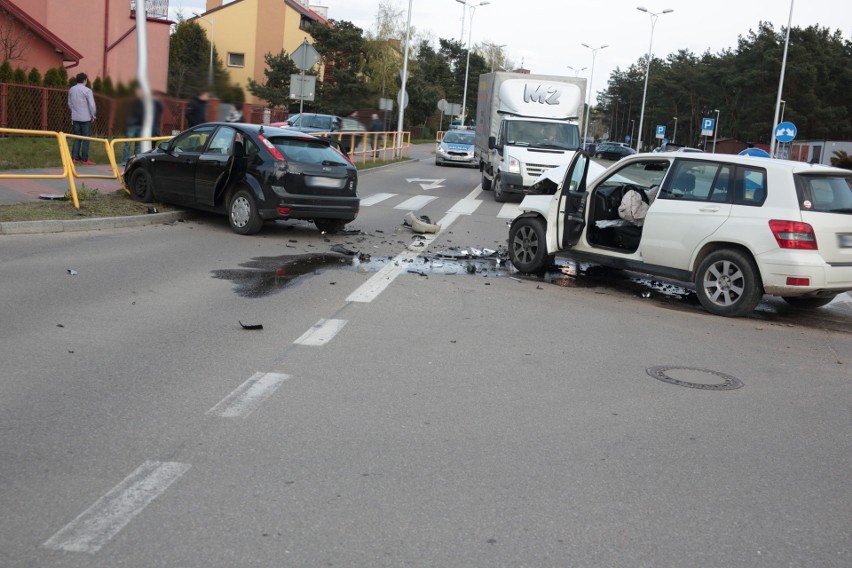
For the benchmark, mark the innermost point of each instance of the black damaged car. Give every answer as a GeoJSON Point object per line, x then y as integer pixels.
{"type": "Point", "coordinates": [251, 173]}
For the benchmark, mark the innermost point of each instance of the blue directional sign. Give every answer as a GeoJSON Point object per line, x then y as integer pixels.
{"type": "Point", "coordinates": [785, 132]}
{"type": "Point", "coordinates": [627, 138]}
{"type": "Point", "coordinates": [707, 126]}
{"type": "Point", "coordinates": [661, 131]}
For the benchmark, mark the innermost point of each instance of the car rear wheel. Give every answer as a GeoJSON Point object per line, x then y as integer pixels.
{"type": "Point", "coordinates": [243, 214]}
{"type": "Point", "coordinates": [330, 226]}
{"type": "Point", "coordinates": [728, 283]}
{"type": "Point", "coordinates": [486, 183]}
{"type": "Point", "coordinates": [141, 186]}
{"type": "Point", "coordinates": [808, 302]}
{"type": "Point", "coordinates": [528, 244]}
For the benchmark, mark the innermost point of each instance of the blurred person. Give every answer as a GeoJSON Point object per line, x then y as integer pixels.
{"type": "Point", "coordinates": [81, 101]}
{"type": "Point", "coordinates": [135, 118]}
{"type": "Point", "coordinates": [196, 110]}
{"type": "Point", "coordinates": [376, 126]}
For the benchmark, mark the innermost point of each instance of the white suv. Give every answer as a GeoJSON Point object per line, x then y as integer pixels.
{"type": "Point", "coordinates": [737, 227]}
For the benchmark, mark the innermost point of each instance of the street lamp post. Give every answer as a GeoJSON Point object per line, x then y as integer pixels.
{"type": "Point", "coordinates": [783, 106]}
{"type": "Point", "coordinates": [589, 94]}
{"type": "Point", "coordinates": [499, 49]}
{"type": "Point", "coordinates": [654, 17]}
{"type": "Point", "coordinates": [632, 124]}
{"type": "Point", "coordinates": [473, 8]}
{"type": "Point", "coordinates": [399, 123]}
{"type": "Point", "coordinates": [674, 134]}
{"type": "Point", "coordinates": [715, 130]}
{"type": "Point", "coordinates": [781, 82]}
{"type": "Point", "coordinates": [576, 71]}
{"type": "Point", "coordinates": [212, 29]}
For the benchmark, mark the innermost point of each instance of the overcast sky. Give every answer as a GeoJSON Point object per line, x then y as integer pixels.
{"type": "Point", "coordinates": [546, 35]}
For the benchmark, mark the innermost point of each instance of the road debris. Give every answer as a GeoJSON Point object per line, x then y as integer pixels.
{"type": "Point", "coordinates": [251, 326]}
{"type": "Point", "coordinates": [418, 225]}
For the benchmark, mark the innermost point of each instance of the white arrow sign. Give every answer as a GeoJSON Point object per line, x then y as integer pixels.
{"type": "Point", "coordinates": [432, 183]}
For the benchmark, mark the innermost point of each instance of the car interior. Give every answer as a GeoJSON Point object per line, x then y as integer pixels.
{"type": "Point", "coordinates": [605, 227]}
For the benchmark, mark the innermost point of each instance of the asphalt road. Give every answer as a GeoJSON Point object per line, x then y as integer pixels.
{"type": "Point", "coordinates": [401, 410]}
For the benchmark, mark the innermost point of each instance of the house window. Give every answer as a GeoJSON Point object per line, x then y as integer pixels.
{"type": "Point", "coordinates": [236, 59]}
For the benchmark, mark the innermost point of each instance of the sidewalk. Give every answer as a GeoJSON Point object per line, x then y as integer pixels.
{"type": "Point", "coordinates": [18, 190]}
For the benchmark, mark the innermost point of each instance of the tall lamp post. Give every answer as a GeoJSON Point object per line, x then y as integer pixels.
{"type": "Point", "coordinates": [674, 135]}
{"type": "Point", "coordinates": [781, 82]}
{"type": "Point", "coordinates": [589, 94]}
{"type": "Point", "coordinates": [401, 100]}
{"type": "Point", "coordinates": [632, 124]}
{"type": "Point", "coordinates": [575, 70]}
{"type": "Point", "coordinates": [499, 49]}
{"type": "Point", "coordinates": [473, 6]}
{"type": "Point", "coordinates": [210, 69]}
{"type": "Point", "coordinates": [715, 130]}
{"type": "Point", "coordinates": [654, 16]}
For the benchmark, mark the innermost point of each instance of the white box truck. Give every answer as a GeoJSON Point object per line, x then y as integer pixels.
{"type": "Point", "coordinates": [525, 124]}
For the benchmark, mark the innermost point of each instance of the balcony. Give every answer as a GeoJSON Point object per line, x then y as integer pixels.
{"type": "Point", "coordinates": [157, 9]}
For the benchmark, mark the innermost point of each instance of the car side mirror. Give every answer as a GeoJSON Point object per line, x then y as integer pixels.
{"type": "Point", "coordinates": [492, 142]}
{"type": "Point", "coordinates": [164, 147]}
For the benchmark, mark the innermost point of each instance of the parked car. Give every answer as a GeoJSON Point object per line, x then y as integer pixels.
{"type": "Point", "coordinates": [456, 148]}
{"type": "Point", "coordinates": [251, 173]}
{"type": "Point", "coordinates": [348, 131]}
{"type": "Point", "coordinates": [613, 151]}
{"type": "Point", "coordinates": [736, 227]}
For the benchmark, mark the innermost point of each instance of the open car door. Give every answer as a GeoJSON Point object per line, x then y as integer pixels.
{"type": "Point", "coordinates": [571, 203]}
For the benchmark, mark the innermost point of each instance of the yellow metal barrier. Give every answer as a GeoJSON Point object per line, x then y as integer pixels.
{"type": "Point", "coordinates": [64, 155]}
{"type": "Point", "coordinates": [389, 141]}
{"type": "Point", "coordinates": [69, 171]}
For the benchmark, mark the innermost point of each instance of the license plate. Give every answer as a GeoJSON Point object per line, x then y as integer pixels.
{"type": "Point", "coordinates": [459, 158]}
{"type": "Point", "coordinates": [845, 241]}
{"type": "Point", "coordinates": [325, 182]}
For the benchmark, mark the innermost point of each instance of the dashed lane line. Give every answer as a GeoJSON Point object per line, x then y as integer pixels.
{"type": "Point", "coordinates": [95, 526]}
{"type": "Point", "coordinates": [321, 333]}
{"type": "Point", "coordinates": [509, 211]}
{"type": "Point", "coordinates": [246, 398]}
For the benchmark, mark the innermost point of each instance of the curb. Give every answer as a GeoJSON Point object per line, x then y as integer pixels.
{"type": "Point", "coordinates": [96, 224]}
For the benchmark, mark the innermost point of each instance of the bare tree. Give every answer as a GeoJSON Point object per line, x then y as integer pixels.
{"type": "Point", "coordinates": [13, 39]}
{"type": "Point", "coordinates": [495, 56]}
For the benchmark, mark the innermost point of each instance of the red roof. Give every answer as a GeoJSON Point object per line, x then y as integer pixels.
{"type": "Point", "coordinates": [68, 52]}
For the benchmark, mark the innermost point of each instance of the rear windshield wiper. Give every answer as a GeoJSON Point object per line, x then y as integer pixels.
{"type": "Point", "coordinates": [331, 163]}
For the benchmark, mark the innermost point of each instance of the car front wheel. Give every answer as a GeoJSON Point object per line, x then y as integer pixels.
{"type": "Point", "coordinates": [243, 214]}
{"type": "Point", "coordinates": [728, 283]}
{"type": "Point", "coordinates": [141, 187]}
{"type": "Point", "coordinates": [808, 302]}
{"type": "Point", "coordinates": [528, 244]}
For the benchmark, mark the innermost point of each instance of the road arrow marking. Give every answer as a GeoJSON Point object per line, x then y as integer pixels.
{"type": "Point", "coordinates": [431, 183]}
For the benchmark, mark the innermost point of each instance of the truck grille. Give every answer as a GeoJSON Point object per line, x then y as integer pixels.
{"type": "Point", "coordinates": [538, 169]}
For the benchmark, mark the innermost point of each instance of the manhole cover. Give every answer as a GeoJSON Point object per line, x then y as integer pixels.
{"type": "Point", "coordinates": [695, 378]}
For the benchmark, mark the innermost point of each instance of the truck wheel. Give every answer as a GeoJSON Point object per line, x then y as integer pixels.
{"type": "Point", "coordinates": [528, 244]}
{"type": "Point", "coordinates": [499, 194]}
{"type": "Point", "coordinates": [486, 183]}
{"type": "Point", "coordinates": [728, 283]}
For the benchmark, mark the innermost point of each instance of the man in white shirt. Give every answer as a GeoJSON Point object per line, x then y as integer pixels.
{"type": "Point", "coordinates": [81, 101]}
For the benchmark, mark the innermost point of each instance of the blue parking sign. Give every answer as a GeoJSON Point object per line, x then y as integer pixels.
{"type": "Point", "coordinates": [661, 131]}
{"type": "Point", "coordinates": [707, 126]}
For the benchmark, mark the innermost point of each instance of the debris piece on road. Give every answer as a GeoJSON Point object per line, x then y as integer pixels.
{"type": "Point", "coordinates": [153, 210]}
{"type": "Point", "coordinates": [646, 294]}
{"type": "Point", "coordinates": [419, 273]}
{"type": "Point", "coordinates": [52, 196]}
{"type": "Point", "coordinates": [252, 326]}
{"type": "Point", "coordinates": [418, 225]}
{"type": "Point", "coordinates": [515, 279]}
{"type": "Point", "coordinates": [72, 272]}
{"type": "Point", "coordinates": [363, 257]}
{"type": "Point", "coordinates": [343, 250]}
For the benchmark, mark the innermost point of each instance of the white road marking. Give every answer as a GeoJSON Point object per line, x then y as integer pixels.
{"type": "Point", "coordinates": [376, 198]}
{"type": "Point", "coordinates": [465, 206]}
{"type": "Point", "coordinates": [509, 211]}
{"type": "Point", "coordinates": [416, 203]}
{"type": "Point", "coordinates": [95, 526]}
{"type": "Point", "coordinates": [376, 284]}
{"type": "Point", "coordinates": [321, 333]}
{"type": "Point", "coordinates": [248, 396]}
{"type": "Point", "coordinates": [475, 193]}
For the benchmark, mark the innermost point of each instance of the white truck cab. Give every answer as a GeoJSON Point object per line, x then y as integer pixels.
{"type": "Point", "coordinates": [526, 124]}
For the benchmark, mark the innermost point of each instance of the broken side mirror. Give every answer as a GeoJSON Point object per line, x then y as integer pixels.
{"type": "Point", "coordinates": [492, 142]}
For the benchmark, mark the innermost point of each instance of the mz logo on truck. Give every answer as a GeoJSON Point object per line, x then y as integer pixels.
{"type": "Point", "coordinates": [542, 94]}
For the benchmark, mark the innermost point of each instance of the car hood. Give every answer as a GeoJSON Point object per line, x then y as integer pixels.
{"type": "Point", "coordinates": [557, 174]}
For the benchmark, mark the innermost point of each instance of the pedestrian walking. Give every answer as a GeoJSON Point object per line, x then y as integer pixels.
{"type": "Point", "coordinates": [196, 109]}
{"type": "Point", "coordinates": [81, 101]}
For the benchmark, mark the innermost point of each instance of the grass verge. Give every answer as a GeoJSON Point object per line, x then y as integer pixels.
{"type": "Point", "coordinates": [29, 152]}
{"type": "Point", "coordinates": [93, 204]}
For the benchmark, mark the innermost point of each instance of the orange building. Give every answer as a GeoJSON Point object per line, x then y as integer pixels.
{"type": "Point", "coordinates": [97, 37]}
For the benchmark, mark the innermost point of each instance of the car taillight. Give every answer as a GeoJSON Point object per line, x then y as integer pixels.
{"type": "Point", "coordinates": [271, 147]}
{"type": "Point", "coordinates": [793, 235]}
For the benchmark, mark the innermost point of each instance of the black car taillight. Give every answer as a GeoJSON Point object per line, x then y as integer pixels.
{"type": "Point", "coordinates": [271, 147]}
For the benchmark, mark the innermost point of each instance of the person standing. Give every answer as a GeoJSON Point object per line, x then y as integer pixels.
{"type": "Point", "coordinates": [81, 101]}
{"type": "Point", "coordinates": [376, 126]}
{"type": "Point", "coordinates": [196, 109]}
{"type": "Point", "coordinates": [135, 119]}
